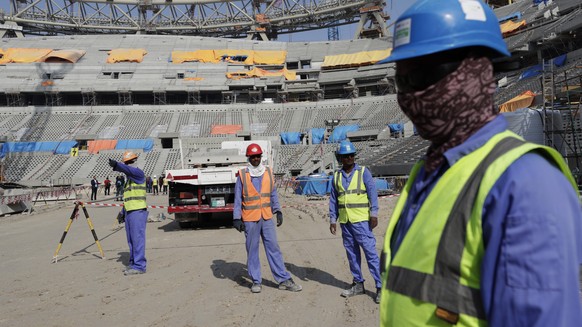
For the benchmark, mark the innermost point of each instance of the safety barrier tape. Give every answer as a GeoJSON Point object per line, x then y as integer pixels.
{"type": "Point", "coordinates": [325, 203]}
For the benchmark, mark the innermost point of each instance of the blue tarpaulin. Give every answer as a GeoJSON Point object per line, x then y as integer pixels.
{"type": "Point", "coordinates": [56, 147]}
{"type": "Point", "coordinates": [395, 128]}
{"type": "Point", "coordinates": [537, 70]}
{"type": "Point", "coordinates": [531, 72]}
{"type": "Point", "coordinates": [515, 15]}
{"type": "Point", "coordinates": [317, 135]}
{"type": "Point", "coordinates": [291, 137]}
{"type": "Point", "coordinates": [147, 144]}
{"type": "Point", "coordinates": [321, 184]}
{"type": "Point", "coordinates": [559, 61]}
{"type": "Point", "coordinates": [314, 184]}
{"type": "Point", "coordinates": [340, 133]}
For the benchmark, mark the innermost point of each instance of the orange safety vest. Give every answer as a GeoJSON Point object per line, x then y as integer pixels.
{"type": "Point", "coordinates": [255, 205]}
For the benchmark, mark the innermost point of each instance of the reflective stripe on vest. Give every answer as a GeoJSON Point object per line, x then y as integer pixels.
{"type": "Point", "coordinates": [438, 264]}
{"type": "Point", "coordinates": [353, 203]}
{"type": "Point", "coordinates": [255, 205]}
{"type": "Point", "coordinates": [134, 196]}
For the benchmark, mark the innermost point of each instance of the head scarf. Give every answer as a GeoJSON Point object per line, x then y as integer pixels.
{"type": "Point", "coordinates": [448, 112]}
{"type": "Point", "coordinates": [256, 171]}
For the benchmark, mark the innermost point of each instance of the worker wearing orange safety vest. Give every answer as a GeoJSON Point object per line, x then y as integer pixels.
{"type": "Point", "coordinates": [255, 201]}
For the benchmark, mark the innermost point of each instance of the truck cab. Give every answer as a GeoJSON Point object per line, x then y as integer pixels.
{"type": "Point", "coordinates": [205, 187]}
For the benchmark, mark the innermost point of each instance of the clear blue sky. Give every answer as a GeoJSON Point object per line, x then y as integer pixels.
{"type": "Point", "coordinates": [394, 8]}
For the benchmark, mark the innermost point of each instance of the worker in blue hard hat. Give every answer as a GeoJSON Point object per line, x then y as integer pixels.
{"type": "Point", "coordinates": [353, 201]}
{"type": "Point", "coordinates": [487, 228]}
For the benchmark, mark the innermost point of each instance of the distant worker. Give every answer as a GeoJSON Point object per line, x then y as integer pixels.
{"type": "Point", "coordinates": [107, 185]}
{"type": "Point", "coordinates": [255, 202]}
{"type": "Point", "coordinates": [118, 188]}
{"type": "Point", "coordinates": [487, 229]}
{"type": "Point", "coordinates": [165, 184]}
{"type": "Point", "coordinates": [353, 201]}
{"type": "Point", "coordinates": [155, 185]}
{"type": "Point", "coordinates": [136, 214]}
{"type": "Point", "coordinates": [160, 182]}
{"type": "Point", "coordinates": [149, 184]}
{"type": "Point", "coordinates": [94, 187]}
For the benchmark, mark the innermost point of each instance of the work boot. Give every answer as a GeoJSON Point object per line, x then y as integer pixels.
{"type": "Point", "coordinates": [355, 289]}
{"type": "Point", "coordinates": [256, 288]}
{"type": "Point", "coordinates": [132, 271]}
{"type": "Point", "coordinates": [378, 295]}
{"type": "Point", "coordinates": [290, 285]}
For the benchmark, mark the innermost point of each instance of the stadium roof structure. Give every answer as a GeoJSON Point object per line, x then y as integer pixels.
{"type": "Point", "coordinates": [216, 18]}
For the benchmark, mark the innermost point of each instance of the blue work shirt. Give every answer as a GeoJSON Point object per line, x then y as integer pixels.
{"type": "Point", "coordinates": [133, 173]}
{"type": "Point", "coordinates": [257, 183]}
{"type": "Point", "coordinates": [532, 233]}
{"type": "Point", "coordinates": [346, 179]}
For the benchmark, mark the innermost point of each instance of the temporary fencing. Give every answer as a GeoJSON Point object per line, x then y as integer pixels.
{"type": "Point", "coordinates": [43, 194]}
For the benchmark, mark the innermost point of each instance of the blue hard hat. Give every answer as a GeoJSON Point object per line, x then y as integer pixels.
{"type": "Point", "coordinates": [345, 147]}
{"type": "Point", "coordinates": [430, 26]}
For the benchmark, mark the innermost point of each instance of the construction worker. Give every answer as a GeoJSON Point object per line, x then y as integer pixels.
{"type": "Point", "coordinates": [165, 184]}
{"type": "Point", "coordinates": [135, 209]}
{"type": "Point", "coordinates": [353, 201]}
{"type": "Point", "coordinates": [487, 228]}
{"type": "Point", "coordinates": [255, 202]}
{"type": "Point", "coordinates": [155, 185]}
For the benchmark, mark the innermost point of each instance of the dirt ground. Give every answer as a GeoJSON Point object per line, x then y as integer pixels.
{"type": "Point", "coordinates": [195, 277]}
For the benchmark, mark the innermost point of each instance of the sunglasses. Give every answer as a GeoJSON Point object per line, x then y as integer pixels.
{"type": "Point", "coordinates": [349, 155]}
{"type": "Point", "coordinates": [424, 76]}
{"type": "Point", "coordinates": [256, 156]}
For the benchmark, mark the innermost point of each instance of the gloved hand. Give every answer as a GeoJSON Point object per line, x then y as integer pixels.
{"type": "Point", "coordinates": [279, 218]}
{"type": "Point", "coordinates": [238, 225]}
{"type": "Point", "coordinates": [112, 163]}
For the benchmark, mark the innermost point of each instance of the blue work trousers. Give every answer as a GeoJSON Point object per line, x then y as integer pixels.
{"type": "Point", "coordinates": [135, 229]}
{"type": "Point", "coordinates": [360, 235]}
{"type": "Point", "coordinates": [264, 229]}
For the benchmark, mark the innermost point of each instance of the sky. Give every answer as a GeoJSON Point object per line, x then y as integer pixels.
{"type": "Point", "coordinates": [394, 8]}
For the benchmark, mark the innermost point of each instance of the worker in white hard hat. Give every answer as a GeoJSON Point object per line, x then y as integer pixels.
{"type": "Point", "coordinates": [135, 210]}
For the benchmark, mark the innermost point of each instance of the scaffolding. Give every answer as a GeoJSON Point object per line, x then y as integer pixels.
{"type": "Point", "coordinates": [562, 97]}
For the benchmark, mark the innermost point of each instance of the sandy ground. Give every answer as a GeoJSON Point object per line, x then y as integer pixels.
{"type": "Point", "coordinates": [195, 277]}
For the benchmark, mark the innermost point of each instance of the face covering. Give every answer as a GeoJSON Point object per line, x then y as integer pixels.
{"type": "Point", "coordinates": [448, 112]}
{"type": "Point", "coordinates": [256, 171]}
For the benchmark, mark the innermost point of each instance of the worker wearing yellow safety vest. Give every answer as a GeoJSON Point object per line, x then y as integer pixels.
{"type": "Point", "coordinates": [255, 202]}
{"type": "Point", "coordinates": [135, 210]}
{"type": "Point", "coordinates": [353, 201]}
{"type": "Point", "coordinates": [487, 229]}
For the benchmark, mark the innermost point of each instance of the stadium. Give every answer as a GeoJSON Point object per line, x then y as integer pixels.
{"type": "Point", "coordinates": [171, 79]}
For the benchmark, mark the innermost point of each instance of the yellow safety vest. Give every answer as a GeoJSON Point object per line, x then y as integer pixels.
{"type": "Point", "coordinates": [353, 203]}
{"type": "Point", "coordinates": [134, 196]}
{"type": "Point", "coordinates": [434, 278]}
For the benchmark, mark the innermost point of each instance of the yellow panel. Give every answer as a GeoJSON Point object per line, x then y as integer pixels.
{"type": "Point", "coordinates": [71, 56]}
{"type": "Point", "coordinates": [511, 26]}
{"type": "Point", "coordinates": [24, 55]}
{"type": "Point", "coordinates": [523, 100]}
{"type": "Point", "coordinates": [270, 57]}
{"type": "Point", "coordinates": [356, 59]}
{"type": "Point", "coordinates": [258, 72]}
{"type": "Point", "coordinates": [130, 55]}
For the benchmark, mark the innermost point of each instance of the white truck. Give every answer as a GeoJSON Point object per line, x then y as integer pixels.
{"type": "Point", "coordinates": [205, 187]}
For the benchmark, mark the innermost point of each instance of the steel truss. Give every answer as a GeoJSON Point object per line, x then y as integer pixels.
{"type": "Point", "coordinates": [213, 18]}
